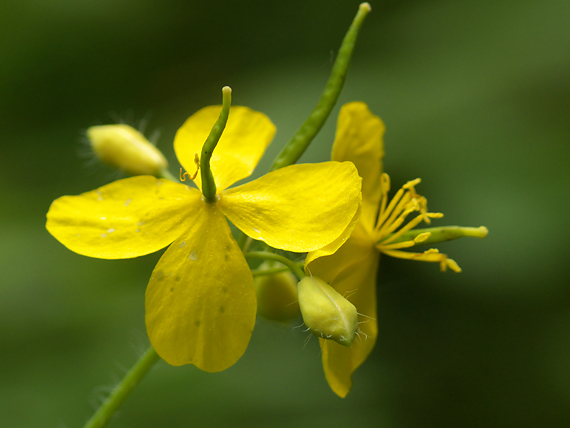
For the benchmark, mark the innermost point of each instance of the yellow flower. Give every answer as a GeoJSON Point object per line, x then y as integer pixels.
{"type": "Point", "coordinates": [352, 268]}
{"type": "Point", "coordinates": [200, 301]}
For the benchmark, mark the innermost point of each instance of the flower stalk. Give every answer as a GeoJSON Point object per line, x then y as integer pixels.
{"type": "Point", "coordinates": [103, 415]}
{"type": "Point", "coordinates": [293, 266]}
{"type": "Point", "coordinates": [165, 173]}
{"type": "Point", "coordinates": [313, 124]}
{"type": "Point", "coordinates": [274, 270]}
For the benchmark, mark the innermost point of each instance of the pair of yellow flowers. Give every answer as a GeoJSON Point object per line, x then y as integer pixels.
{"type": "Point", "coordinates": [200, 301]}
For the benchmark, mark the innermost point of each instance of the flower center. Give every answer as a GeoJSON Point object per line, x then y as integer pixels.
{"type": "Point", "coordinates": [393, 215]}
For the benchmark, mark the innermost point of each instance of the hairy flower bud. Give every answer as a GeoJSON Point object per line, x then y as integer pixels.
{"type": "Point", "coordinates": [277, 296]}
{"type": "Point", "coordinates": [325, 312]}
{"type": "Point", "coordinates": [125, 148]}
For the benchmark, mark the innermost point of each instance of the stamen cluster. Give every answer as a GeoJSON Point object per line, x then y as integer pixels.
{"type": "Point", "coordinates": [394, 214]}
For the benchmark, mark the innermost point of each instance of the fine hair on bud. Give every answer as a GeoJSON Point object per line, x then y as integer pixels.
{"type": "Point", "coordinates": [326, 313]}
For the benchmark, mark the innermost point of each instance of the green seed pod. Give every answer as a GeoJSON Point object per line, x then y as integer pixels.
{"type": "Point", "coordinates": [325, 312]}
{"type": "Point", "coordinates": [277, 296]}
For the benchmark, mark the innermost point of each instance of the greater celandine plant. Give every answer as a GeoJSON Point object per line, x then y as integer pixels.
{"type": "Point", "coordinates": [205, 291]}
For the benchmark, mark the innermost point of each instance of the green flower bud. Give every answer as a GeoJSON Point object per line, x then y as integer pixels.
{"type": "Point", "coordinates": [277, 295]}
{"type": "Point", "coordinates": [125, 148]}
{"type": "Point", "coordinates": [325, 312]}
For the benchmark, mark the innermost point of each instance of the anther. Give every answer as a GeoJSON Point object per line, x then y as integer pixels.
{"type": "Point", "coordinates": [422, 237]}
{"type": "Point", "coordinates": [186, 174]}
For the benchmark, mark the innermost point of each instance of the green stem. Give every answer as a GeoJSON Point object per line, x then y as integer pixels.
{"type": "Point", "coordinates": [208, 183]}
{"type": "Point", "coordinates": [242, 240]}
{"type": "Point", "coordinates": [247, 244]}
{"type": "Point", "coordinates": [123, 390]}
{"type": "Point", "coordinates": [441, 234]}
{"type": "Point", "coordinates": [301, 140]}
{"type": "Point", "coordinates": [276, 257]}
{"type": "Point", "coordinates": [164, 173]}
{"type": "Point", "coordinates": [271, 271]}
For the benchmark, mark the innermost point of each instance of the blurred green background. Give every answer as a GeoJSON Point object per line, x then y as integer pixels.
{"type": "Point", "coordinates": [476, 99]}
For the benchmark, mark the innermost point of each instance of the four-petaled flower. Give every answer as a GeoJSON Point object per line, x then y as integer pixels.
{"type": "Point", "coordinates": [352, 268]}
{"type": "Point", "coordinates": [200, 301]}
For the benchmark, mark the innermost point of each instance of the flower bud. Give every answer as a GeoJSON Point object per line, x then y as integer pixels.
{"type": "Point", "coordinates": [277, 296]}
{"type": "Point", "coordinates": [325, 312]}
{"type": "Point", "coordinates": [125, 148]}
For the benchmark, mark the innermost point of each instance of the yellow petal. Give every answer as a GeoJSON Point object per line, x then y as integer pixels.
{"type": "Point", "coordinates": [242, 144]}
{"type": "Point", "coordinates": [337, 243]}
{"type": "Point", "coordinates": [127, 218]}
{"type": "Point", "coordinates": [200, 301]}
{"type": "Point", "coordinates": [359, 139]}
{"type": "Point", "coordinates": [298, 208]}
{"type": "Point", "coordinates": [352, 272]}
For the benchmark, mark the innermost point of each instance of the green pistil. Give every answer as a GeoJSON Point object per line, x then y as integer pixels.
{"type": "Point", "coordinates": [442, 234]}
{"type": "Point", "coordinates": [301, 140]}
{"type": "Point", "coordinates": [208, 184]}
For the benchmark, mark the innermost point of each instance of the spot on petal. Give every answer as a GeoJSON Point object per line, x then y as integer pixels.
{"type": "Point", "coordinates": [159, 183]}
{"type": "Point", "coordinates": [182, 244]}
{"type": "Point", "coordinates": [222, 309]}
{"type": "Point", "coordinates": [127, 202]}
{"type": "Point", "coordinates": [137, 231]}
{"type": "Point", "coordinates": [256, 230]}
{"type": "Point", "coordinates": [193, 256]}
{"type": "Point", "coordinates": [140, 223]}
{"type": "Point", "coordinates": [103, 218]}
{"type": "Point", "coordinates": [103, 235]}
{"type": "Point", "coordinates": [110, 230]}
